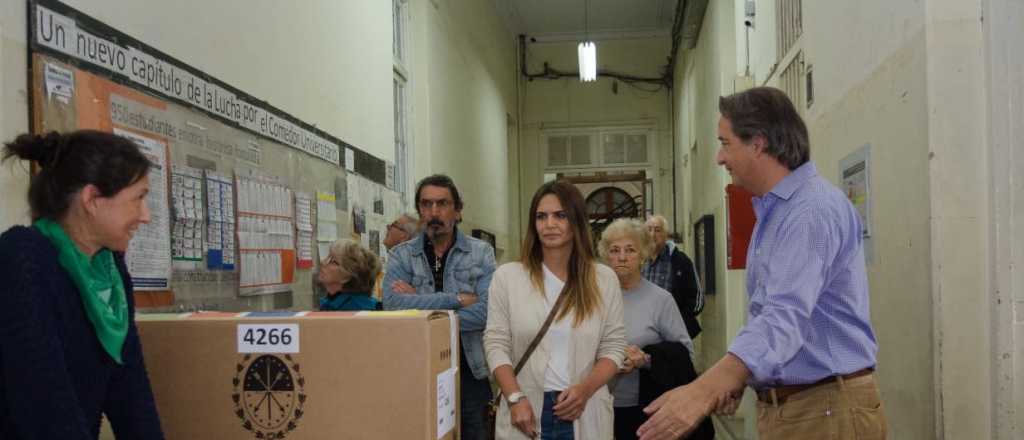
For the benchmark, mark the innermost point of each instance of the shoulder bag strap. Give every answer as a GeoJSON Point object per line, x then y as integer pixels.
{"type": "Point", "coordinates": [537, 339]}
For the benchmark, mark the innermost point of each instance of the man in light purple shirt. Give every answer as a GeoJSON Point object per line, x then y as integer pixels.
{"type": "Point", "coordinates": [808, 348]}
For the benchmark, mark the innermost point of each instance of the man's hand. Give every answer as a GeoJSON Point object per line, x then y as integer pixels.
{"type": "Point", "coordinates": [467, 299]}
{"type": "Point", "coordinates": [570, 403]}
{"type": "Point", "coordinates": [523, 418]}
{"type": "Point", "coordinates": [728, 406]}
{"type": "Point", "coordinates": [677, 412]}
{"type": "Point", "coordinates": [399, 286]}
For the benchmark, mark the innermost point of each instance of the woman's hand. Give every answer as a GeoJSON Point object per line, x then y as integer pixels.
{"type": "Point", "coordinates": [635, 358]}
{"type": "Point", "coordinates": [571, 402]}
{"type": "Point", "coordinates": [523, 418]}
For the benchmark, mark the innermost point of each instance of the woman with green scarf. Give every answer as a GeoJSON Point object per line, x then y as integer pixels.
{"type": "Point", "coordinates": [69, 349]}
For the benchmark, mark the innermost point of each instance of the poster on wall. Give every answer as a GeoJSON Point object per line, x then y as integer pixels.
{"type": "Point", "coordinates": [266, 235]}
{"type": "Point", "coordinates": [854, 170]}
{"type": "Point", "coordinates": [149, 253]}
{"type": "Point", "coordinates": [327, 218]}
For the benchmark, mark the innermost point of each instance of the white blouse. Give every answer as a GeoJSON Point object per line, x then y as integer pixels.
{"type": "Point", "coordinates": [556, 377]}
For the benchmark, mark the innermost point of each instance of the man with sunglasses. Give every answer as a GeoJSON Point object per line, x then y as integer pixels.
{"type": "Point", "coordinates": [444, 269]}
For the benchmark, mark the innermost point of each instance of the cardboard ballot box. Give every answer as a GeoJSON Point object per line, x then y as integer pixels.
{"type": "Point", "coordinates": [304, 375]}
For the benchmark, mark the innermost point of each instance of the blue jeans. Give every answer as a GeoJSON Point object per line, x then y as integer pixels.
{"type": "Point", "coordinates": [551, 427]}
{"type": "Point", "coordinates": [476, 393]}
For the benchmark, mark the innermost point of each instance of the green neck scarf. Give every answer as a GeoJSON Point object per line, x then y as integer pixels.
{"type": "Point", "coordinates": [98, 282]}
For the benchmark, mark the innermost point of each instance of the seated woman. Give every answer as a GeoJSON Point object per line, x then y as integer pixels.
{"type": "Point", "coordinates": [345, 279]}
{"type": "Point", "coordinates": [70, 351]}
{"type": "Point", "coordinates": [650, 313]}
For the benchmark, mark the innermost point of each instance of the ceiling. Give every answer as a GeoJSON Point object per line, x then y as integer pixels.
{"type": "Point", "coordinates": [556, 20]}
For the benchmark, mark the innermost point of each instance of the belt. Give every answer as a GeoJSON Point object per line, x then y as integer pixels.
{"type": "Point", "coordinates": [785, 391]}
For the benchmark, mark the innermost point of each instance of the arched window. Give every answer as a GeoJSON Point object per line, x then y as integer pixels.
{"type": "Point", "coordinates": [611, 203]}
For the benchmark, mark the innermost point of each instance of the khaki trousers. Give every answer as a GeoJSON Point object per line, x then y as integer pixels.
{"type": "Point", "coordinates": [841, 410]}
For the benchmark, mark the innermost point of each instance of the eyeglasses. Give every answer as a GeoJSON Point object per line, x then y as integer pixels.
{"type": "Point", "coordinates": [330, 260]}
{"type": "Point", "coordinates": [440, 204]}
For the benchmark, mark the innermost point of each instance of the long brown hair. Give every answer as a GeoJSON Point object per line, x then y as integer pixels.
{"type": "Point", "coordinates": [584, 298]}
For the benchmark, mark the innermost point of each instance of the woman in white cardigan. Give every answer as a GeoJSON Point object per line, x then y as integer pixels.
{"type": "Point", "coordinates": [561, 392]}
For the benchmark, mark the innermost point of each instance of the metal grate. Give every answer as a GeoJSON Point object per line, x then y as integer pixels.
{"type": "Point", "coordinates": [401, 175]}
{"type": "Point", "coordinates": [789, 24]}
{"type": "Point", "coordinates": [792, 81]}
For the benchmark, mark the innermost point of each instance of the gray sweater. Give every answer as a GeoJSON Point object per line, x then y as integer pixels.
{"type": "Point", "coordinates": [651, 316]}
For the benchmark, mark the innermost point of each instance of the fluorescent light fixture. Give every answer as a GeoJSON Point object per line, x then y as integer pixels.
{"type": "Point", "coordinates": [588, 61]}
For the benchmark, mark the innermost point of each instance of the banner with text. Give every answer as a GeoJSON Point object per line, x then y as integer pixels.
{"type": "Point", "coordinates": [62, 34]}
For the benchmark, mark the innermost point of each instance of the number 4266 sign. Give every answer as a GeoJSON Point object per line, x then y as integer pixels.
{"type": "Point", "coordinates": [268, 338]}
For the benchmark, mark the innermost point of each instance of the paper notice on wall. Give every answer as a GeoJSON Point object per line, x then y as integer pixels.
{"type": "Point", "coordinates": [323, 249]}
{"type": "Point", "coordinates": [445, 402]}
{"type": "Point", "coordinates": [327, 217]}
{"type": "Point", "coordinates": [326, 231]}
{"type": "Point", "coordinates": [350, 159]}
{"type": "Point", "coordinates": [855, 172]}
{"type": "Point", "coordinates": [149, 253]}
{"type": "Point", "coordinates": [60, 82]}
{"type": "Point", "coordinates": [325, 207]}
{"type": "Point", "coordinates": [304, 250]}
{"type": "Point", "coordinates": [303, 211]}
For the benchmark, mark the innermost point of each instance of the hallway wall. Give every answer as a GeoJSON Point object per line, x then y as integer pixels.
{"type": "Point", "coordinates": [329, 64]}
{"type": "Point", "coordinates": [567, 103]}
{"type": "Point", "coordinates": [703, 74]}
{"type": "Point", "coordinates": [877, 86]}
{"type": "Point", "coordinates": [463, 88]}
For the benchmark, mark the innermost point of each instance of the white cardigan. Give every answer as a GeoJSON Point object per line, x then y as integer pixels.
{"type": "Point", "coordinates": [515, 312]}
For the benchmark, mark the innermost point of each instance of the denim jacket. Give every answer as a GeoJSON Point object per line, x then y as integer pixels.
{"type": "Point", "coordinates": [469, 268]}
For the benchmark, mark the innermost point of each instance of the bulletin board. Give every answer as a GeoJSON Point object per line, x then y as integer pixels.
{"type": "Point", "coordinates": [244, 197]}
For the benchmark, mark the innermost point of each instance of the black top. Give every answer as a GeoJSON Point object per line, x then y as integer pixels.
{"type": "Point", "coordinates": [671, 367]}
{"type": "Point", "coordinates": [55, 378]}
{"type": "Point", "coordinates": [686, 291]}
{"type": "Point", "coordinates": [437, 266]}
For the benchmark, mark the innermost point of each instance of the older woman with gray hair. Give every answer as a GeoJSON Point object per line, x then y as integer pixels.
{"type": "Point", "coordinates": [346, 277]}
{"type": "Point", "coordinates": [651, 316]}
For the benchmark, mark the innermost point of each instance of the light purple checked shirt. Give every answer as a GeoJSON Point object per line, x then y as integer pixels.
{"type": "Point", "coordinates": [808, 316]}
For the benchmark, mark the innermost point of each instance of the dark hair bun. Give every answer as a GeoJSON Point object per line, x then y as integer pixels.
{"type": "Point", "coordinates": [73, 160]}
{"type": "Point", "coordinates": [42, 149]}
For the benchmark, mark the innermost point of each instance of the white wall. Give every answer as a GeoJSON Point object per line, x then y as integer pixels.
{"type": "Point", "coordinates": [908, 78]}
{"type": "Point", "coordinates": [463, 76]}
{"type": "Point", "coordinates": [327, 63]}
{"type": "Point", "coordinates": [959, 179]}
{"type": "Point", "coordinates": [706, 72]}
{"type": "Point", "coordinates": [13, 111]}
{"type": "Point", "coordinates": [872, 89]}
{"type": "Point", "coordinates": [1005, 92]}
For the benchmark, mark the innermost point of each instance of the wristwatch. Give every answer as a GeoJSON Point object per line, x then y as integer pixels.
{"type": "Point", "coordinates": [515, 397]}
